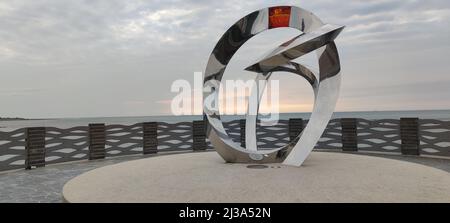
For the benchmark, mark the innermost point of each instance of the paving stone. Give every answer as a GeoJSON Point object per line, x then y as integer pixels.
{"type": "Point", "coordinates": [44, 185]}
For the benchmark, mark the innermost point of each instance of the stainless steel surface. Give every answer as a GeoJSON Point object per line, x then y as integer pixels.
{"type": "Point", "coordinates": [316, 36]}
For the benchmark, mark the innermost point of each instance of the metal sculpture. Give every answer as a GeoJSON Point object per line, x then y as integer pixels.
{"type": "Point", "coordinates": [316, 36]}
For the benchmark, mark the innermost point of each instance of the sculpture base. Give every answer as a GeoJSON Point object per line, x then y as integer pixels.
{"type": "Point", "coordinates": [204, 177]}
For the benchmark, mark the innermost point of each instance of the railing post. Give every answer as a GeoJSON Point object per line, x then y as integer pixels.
{"type": "Point", "coordinates": [295, 128]}
{"type": "Point", "coordinates": [199, 135]}
{"type": "Point", "coordinates": [97, 141]}
{"type": "Point", "coordinates": [242, 131]}
{"type": "Point", "coordinates": [150, 137]}
{"type": "Point", "coordinates": [349, 134]}
{"type": "Point", "coordinates": [409, 135]}
{"type": "Point", "coordinates": [35, 147]}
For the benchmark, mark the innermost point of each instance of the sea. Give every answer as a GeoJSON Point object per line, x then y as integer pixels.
{"type": "Point", "coordinates": [9, 125]}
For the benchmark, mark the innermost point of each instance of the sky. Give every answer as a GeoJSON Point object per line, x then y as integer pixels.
{"type": "Point", "coordinates": [95, 58]}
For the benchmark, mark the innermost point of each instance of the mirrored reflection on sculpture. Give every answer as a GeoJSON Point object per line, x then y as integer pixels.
{"type": "Point", "coordinates": [315, 36]}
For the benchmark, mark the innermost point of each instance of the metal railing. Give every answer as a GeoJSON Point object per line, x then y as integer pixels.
{"type": "Point", "coordinates": [38, 146]}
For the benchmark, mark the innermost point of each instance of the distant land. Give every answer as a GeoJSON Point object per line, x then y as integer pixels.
{"type": "Point", "coordinates": [11, 119]}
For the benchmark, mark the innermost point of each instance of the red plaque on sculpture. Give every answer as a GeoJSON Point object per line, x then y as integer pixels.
{"type": "Point", "coordinates": [279, 16]}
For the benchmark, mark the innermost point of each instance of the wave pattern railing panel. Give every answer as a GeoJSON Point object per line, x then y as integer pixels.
{"type": "Point", "coordinates": [331, 137]}
{"type": "Point", "coordinates": [123, 139]}
{"type": "Point", "coordinates": [233, 129]}
{"type": "Point", "coordinates": [64, 145]}
{"type": "Point", "coordinates": [12, 149]}
{"type": "Point", "coordinates": [275, 136]}
{"type": "Point", "coordinates": [434, 137]}
{"type": "Point", "coordinates": [379, 135]}
{"type": "Point", "coordinates": [267, 136]}
{"type": "Point", "coordinates": [174, 137]}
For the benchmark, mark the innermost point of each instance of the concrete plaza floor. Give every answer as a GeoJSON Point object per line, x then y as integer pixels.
{"type": "Point", "coordinates": [44, 185]}
{"type": "Point", "coordinates": [204, 177]}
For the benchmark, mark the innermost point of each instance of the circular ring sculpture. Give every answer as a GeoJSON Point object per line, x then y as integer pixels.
{"type": "Point", "coordinates": [315, 36]}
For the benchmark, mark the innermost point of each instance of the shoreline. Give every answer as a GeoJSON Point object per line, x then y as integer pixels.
{"type": "Point", "coordinates": [7, 124]}
{"type": "Point", "coordinates": [225, 115]}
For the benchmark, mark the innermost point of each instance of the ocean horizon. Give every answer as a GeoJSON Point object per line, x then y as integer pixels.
{"type": "Point", "coordinates": [8, 125]}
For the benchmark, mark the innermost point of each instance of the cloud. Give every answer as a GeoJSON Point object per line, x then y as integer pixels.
{"type": "Point", "coordinates": [135, 47]}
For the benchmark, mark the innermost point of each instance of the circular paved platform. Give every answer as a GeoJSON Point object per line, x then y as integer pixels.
{"type": "Point", "coordinates": [204, 177]}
